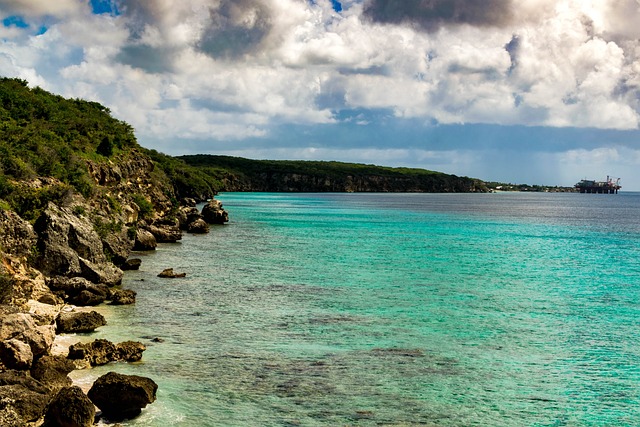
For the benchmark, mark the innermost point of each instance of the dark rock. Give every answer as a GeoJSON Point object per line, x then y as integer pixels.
{"type": "Point", "coordinates": [169, 273]}
{"type": "Point", "coordinates": [122, 397]}
{"type": "Point", "coordinates": [122, 296]}
{"type": "Point", "coordinates": [199, 226]}
{"type": "Point", "coordinates": [101, 352]}
{"type": "Point", "coordinates": [213, 213]}
{"type": "Point", "coordinates": [118, 246]}
{"type": "Point", "coordinates": [96, 353]}
{"type": "Point", "coordinates": [79, 321]}
{"type": "Point", "coordinates": [130, 351]}
{"type": "Point", "coordinates": [145, 241]}
{"type": "Point", "coordinates": [165, 233]}
{"type": "Point", "coordinates": [131, 264]}
{"type": "Point", "coordinates": [15, 354]}
{"type": "Point", "coordinates": [187, 215]}
{"type": "Point", "coordinates": [78, 290]}
{"type": "Point", "coordinates": [87, 298]}
{"type": "Point", "coordinates": [70, 408]}
{"type": "Point", "coordinates": [188, 202]}
{"type": "Point", "coordinates": [53, 371]}
{"type": "Point", "coordinates": [69, 246]}
{"type": "Point", "coordinates": [22, 399]}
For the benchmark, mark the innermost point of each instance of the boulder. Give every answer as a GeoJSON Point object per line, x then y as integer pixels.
{"type": "Point", "coordinates": [188, 202]}
{"type": "Point", "coordinates": [170, 274]}
{"type": "Point", "coordinates": [12, 324]}
{"type": "Point", "coordinates": [131, 264]}
{"type": "Point", "coordinates": [53, 371]}
{"type": "Point", "coordinates": [118, 246]}
{"type": "Point", "coordinates": [15, 354]}
{"type": "Point", "coordinates": [68, 245]}
{"type": "Point", "coordinates": [70, 408]}
{"type": "Point", "coordinates": [101, 352]}
{"type": "Point", "coordinates": [187, 215]}
{"type": "Point", "coordinates": [213, 213]}
{"type": "Point", "coordinates": [22, 398]}
{"type": "Point", "coordinates": [40, 339]}
{"type": "Point", "coordinates": [79, 291]}
{"type": "Point", "coordinates": [20, 405]}
{"type": "Point", "coordinates": [130, 351]}
{"type": "Point", "coordinates": [145, 241]}
{"type": "Point", "coordinates": [122, 296]}
{"type": "Point", "coordinates": [121, 396]}
{"type": "Point", "coordinates": [96, 353]}
{"type": "Point", "coordinates": [199, 226]}
{"type": "Point", "coordinates": [165, 233]}
{"type": "Point", "coordinates": [79, 321]}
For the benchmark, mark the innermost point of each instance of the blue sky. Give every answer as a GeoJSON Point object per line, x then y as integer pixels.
{"type": "Point", "coordinates": [533, 91]}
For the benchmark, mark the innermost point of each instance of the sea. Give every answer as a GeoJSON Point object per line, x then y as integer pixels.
{"type": "Point", "coordinates": [439, 310]}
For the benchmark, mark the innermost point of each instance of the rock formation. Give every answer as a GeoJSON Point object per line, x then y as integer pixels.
{"type": "Point", "coordinates": [70, 408]}
{"type": "Point", "coordinates": [213, 213]}
{"type": "Point", "coordinates": [122, 397]}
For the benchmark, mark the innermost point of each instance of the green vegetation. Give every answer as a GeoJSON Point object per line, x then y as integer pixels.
{"type": "Point", "coordinates": [187, 181]}
{"type": "Point", "coordinates": [42, 134]}
{"type": "Point", "coordinates": [145, 206]}
{"type": "Point", "coordinates": [501, 186]}
{"type": "Point", "coordinates": [234, 173]}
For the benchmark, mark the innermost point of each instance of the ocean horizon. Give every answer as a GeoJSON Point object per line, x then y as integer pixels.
{"type": "Point", "coordinates": [442, 310]}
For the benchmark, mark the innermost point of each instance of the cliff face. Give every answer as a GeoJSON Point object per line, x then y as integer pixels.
{"type": "Point", "coordinates": [296, 182]}
{"type": "Point", "coordinates": [237, 174]}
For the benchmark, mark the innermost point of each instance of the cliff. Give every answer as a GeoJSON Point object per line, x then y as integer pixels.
{"type": "Point", "coordinates": [77, 195]}
{"type": "Point", "coordinates": [238, 174]}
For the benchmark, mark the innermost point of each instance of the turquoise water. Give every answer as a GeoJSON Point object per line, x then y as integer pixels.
{"type": "Point", "coordinates": [394, 310]}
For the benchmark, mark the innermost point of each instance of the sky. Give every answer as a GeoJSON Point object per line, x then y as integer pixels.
{"type": "Point", "coordinates": [525, 91]}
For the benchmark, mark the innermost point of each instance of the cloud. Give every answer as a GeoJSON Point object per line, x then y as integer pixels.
{"type": "Point", "coordinates": [430, 15]}
{"type": "Point", "coordinates": [456, 76]}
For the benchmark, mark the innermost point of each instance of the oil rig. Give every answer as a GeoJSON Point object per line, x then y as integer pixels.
{"type": "Point", "coordinates": [610, 186]}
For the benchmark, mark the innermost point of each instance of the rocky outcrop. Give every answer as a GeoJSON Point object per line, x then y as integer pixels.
{"type": "Point", "coordinates": [78, 290]}
{"type": "Point", "coordinates": [199, 226]}
{"type": "Point", "coordinates": [121, 396]}
{"type": "Point", "coordinates": [145, 241]}
{"type": "Point", "coordinates": [69, 246]}
{"type": "Point", "coordinates": [22, 399]}
{"type": "Point", "coordinates": [52, 372]}
{"type": "Point", "coordinates": [168, 273]}
{"type": "Point", "coordinates": [70, 408]}
{"type": "Point", "coordinates": [131, 264]}
{"type": "Point", "coordinates": [122, 296]}
{"type": "Point", "coordinates": [101, 352]}
{"type": "Point", "coordinates": [15, 354]}
{"type": "Point", "coordinates": [213, 213]}
{"type": "Point", "coordinates": [165, 231]}
{"type": "Point", "coordinates": [17, 236]}
{"type": "Point", "coordinates": [79, 321]}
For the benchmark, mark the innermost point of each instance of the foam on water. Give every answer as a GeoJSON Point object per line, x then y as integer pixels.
{"type": "Point", "coordinates": [359, 309]}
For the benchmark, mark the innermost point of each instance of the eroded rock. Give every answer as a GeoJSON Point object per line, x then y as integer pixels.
{"type": "Point", "coordinates": [70, 408]}
{"type": "Point", "coordinates": [121, 396]}
{"type": "Point", "coordinates": [79, 321]}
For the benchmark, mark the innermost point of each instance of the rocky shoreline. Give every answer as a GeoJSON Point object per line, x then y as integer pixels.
{"type": "Point", "coordinates": [55, 269]}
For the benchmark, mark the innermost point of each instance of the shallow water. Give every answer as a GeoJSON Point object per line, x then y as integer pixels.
{"type": "Point", "coordinates": [396, 310]}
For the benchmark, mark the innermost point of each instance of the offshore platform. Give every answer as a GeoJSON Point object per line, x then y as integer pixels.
{"type": "Point", "coordinates": [610, 186]}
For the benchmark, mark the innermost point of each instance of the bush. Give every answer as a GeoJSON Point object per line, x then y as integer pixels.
{"type": "Point", "coordinates": [145, 207]}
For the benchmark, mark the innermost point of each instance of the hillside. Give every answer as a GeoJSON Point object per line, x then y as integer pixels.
{"type": "Point", "coordinates": [239, 174]}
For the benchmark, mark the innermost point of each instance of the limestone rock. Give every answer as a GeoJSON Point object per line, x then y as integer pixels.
{"type": "Point", "coordinates": [165, 232]}
{"type": "Point", "coordinates": [130, 351]}
{"type": "Point", "coordinates": [101, 352]}
{"type": "Point", "coordinates": [170, 274]}
{"type": "Point", "coordinates": [17, 236]}
{"type": "Point", "coordinates": [15, 354]}
{"type": "Point", "coordinates": [131, 264]}
{"type": "Point", "coordinates": [22, 403]}
{"type": "Point", "coordinates": [187, 215]}
{"type": "Point", "coordinates": [199, 226]}
{"type": "Point", "coordinates": [79, 321]}
{"type": "Point", "coordinates": [69, 246]}
{"type": "Point", "coordinates": [122, 296]}
{"type": "Point", "coordinates": [213, 213]}
{"type": "Point", "coordinates": [12, 324]}
{"type": "Point", "coordinates": [40, 339]}
{"type": "Point", "coordinates": [53, 371]}
{"type": "Point", "coordinates": [145, 241]}
{"type": "Point", "coordinates": [122, 396]}
{"type": "Point", "coordinates": [79, 291]}
{"type": "Point", "coordinates": [70, 408]}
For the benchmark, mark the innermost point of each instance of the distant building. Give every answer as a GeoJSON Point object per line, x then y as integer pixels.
{"type": "Point", "coordinates": [600, 187]}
